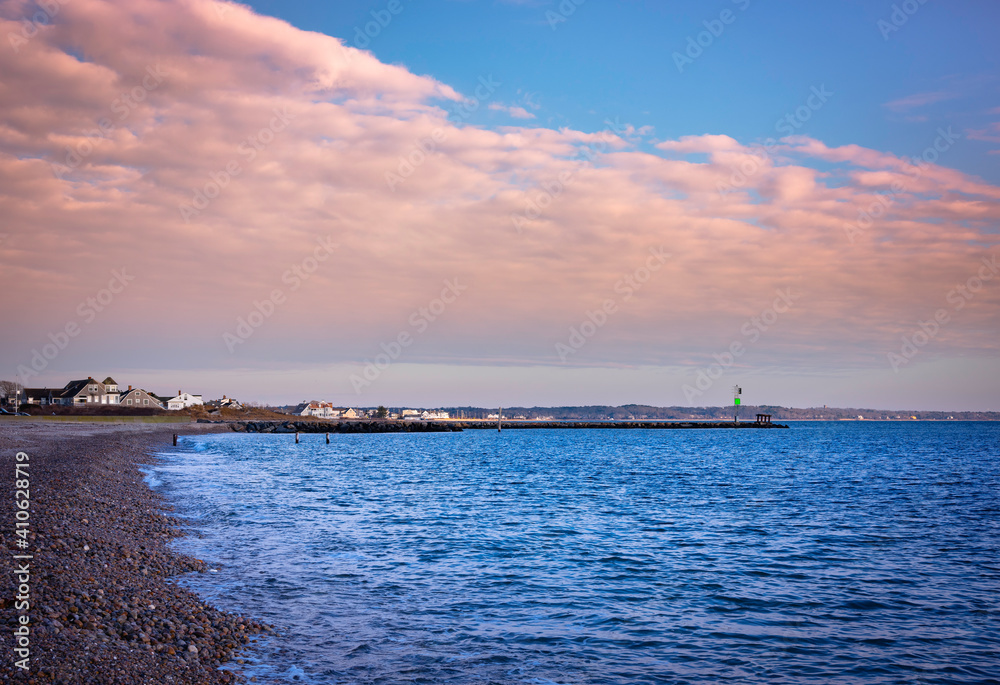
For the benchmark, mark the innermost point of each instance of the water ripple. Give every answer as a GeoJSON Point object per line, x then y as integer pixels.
{"type": "Point", "coordinates": [829, 553]}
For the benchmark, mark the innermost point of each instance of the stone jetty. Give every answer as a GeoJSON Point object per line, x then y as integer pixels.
{"type": "Point", "coordinates": [383, 426]}
{"type": "Point", "coordinates": [344, 427]}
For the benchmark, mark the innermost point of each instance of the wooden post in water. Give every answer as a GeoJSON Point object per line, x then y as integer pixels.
{"type": "Point", "coordinates": [327, 438]}
{"type": "Point", "coordinates": [296, 437]}
{"type": "Point", "coordinates": [499, 418]}
{"type": "Point", "coordinates": [175, 439]}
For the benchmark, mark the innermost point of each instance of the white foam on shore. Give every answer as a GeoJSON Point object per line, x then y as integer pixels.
{"type": "Point", "coordinates": [150, 478]}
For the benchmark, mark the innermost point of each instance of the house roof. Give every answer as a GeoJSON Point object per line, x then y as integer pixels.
{"type": "Point", "coordinates": [73, 388]}
{"type": "Point", "coordinates": [109, 381]}
{"type": "Point", "coordinates": [183, 395]}
{"type": "Point", "coordinates": [135, 391]}
{"type": "Point", "coordinates": [314, 404]}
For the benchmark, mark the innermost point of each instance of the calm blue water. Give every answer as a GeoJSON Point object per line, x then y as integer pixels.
{"type": "Point", "coordinates": [828, 553]}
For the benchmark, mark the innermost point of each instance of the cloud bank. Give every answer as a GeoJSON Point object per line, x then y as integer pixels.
{"type": "Point", "coordinates": [221, 157]}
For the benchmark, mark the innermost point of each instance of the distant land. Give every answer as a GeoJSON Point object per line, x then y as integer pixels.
{"type": "Point", "coordinates": [639, 412]}
{"type": "Point", "coordinates": [643, 412]}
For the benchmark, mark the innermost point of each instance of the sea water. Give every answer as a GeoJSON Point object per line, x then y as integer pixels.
{"type": "Point", "coordinates": [847, 552]}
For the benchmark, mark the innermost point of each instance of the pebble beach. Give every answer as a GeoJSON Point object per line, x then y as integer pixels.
{"type": "Point", "coordinates": [104, 604]}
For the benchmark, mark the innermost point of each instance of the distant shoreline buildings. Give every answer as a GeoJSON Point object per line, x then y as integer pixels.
{"type": "Point", "coordinates": [325, 410]}
{"type": "Point", "coordinates": [89, 392]}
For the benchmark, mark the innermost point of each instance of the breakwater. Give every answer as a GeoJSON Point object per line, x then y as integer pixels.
{"type": "Point", "coordinates": [343, 426]}
{"type": "Point", "coordinates": [390, 426]}
{"type": "Point", "coordinates": [642, 425]}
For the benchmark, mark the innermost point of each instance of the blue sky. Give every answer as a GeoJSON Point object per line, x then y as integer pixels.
{"type": "Point", "coordinates": [616, 59]}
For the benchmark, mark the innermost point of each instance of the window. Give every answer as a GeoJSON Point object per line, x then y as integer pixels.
{"type": "Point", "coordinates": [145, 401]}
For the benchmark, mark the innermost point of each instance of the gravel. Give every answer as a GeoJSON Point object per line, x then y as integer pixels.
{"type": "Point", "coordinates": [104, 607]}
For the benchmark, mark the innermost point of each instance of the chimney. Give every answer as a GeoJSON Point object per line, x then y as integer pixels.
{"type": "Point", "coordinates": [130, 387]}
{"type": "Point", "coordinates": [178, 393]}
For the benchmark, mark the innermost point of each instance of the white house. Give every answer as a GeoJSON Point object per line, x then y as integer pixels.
{"type": "Point", "coordinates": [183, 401]}
{"type": "Point", "coordinates": [434, 415]}
{"type": "Point", "coordinates": [323, 410]}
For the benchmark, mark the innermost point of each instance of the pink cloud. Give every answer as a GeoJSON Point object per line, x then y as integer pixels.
{"type": "Point", "coordinates": [513, 111]}
{"type": "Point", "coordinates": [705, 143]}
{"type": "Point", "coordinates": [989, 134]}
{"type": "Point", "coordinates": [919, 100]}
{"type": "Point", "coordinates": [298, 139]}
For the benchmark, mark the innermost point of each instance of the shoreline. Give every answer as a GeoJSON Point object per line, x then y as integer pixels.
{"type": "Point", "coordinates": [104, 603]}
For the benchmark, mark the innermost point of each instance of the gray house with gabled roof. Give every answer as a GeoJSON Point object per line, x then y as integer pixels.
{"type": "Point", "coordinates": [89, 391]}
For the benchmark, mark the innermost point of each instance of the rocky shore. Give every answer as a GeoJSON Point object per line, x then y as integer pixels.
{"type": "Point", "coordinates": [103, 606]}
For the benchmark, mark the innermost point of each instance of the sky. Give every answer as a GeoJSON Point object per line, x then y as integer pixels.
{"type": "Point", "coordinates": [510, 203]}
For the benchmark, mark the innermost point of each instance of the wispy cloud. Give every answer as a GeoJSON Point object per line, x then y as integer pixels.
{"type": "Point", "coordinates": [918, 100]}
{"type": "Point", "coordinates": [512, 110]}
{"type": "Point", "coordinates": [990, 134]}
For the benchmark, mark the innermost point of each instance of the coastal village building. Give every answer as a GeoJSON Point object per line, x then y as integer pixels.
{"type": "Point", "coordinates": [89, 391]}
{"type": "Point", "coordinates": [183, 400]}
{"type": "Point", "coordinates": [40, 396]}
{"type": "Point", "coordinates": [434, 415]}
{"type": "Point", "coordinates": [76, 393]}
{"type": "Point", "coordinates": [137, 397]}
{"type": "Point", "coordinates": [322, 410]}
{"type": "Point", "coordinates": [224, 403]}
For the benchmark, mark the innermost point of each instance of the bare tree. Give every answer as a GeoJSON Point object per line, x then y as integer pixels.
{"type": "Point", "coordinates": [10, 389]}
